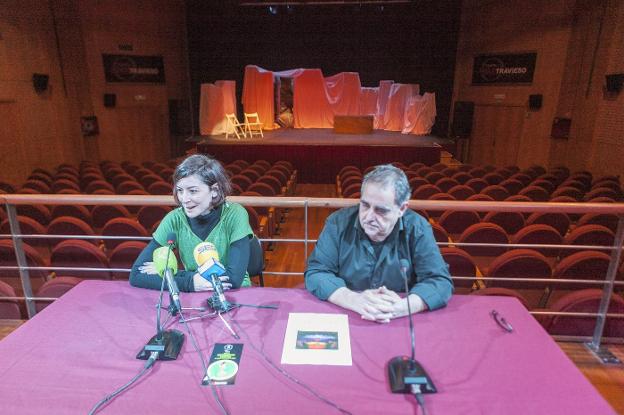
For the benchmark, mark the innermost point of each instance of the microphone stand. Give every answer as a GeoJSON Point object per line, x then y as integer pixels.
{"type": "Point", "coordinates": [165, 343]}
{"type": "Point", "coordinates": [406, 374]}
{"type": "Point", "coordinates": [220, 305]}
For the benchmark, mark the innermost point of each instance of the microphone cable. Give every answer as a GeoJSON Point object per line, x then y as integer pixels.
{"type": "Point", "coordinates": [415, 389]}
{"type": "Point", "coordinates": [153, 356]}
{"type": "Point", "coordinates": [108, 398]}
{"type": "Point", "coordinates": [204, 366]}
{"type": "Point", "coordinates": [288, 375]}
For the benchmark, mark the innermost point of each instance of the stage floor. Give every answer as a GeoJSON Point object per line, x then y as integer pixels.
{"type": "Point", "coordinates": [319, 154]}
{"type": "Point", "coordinates": [326, 136]}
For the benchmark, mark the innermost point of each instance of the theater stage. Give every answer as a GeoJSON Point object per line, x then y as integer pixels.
{"type": "Point", "coordinates": [318, 154]}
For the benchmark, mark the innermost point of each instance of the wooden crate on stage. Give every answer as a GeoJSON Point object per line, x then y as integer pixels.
{"type": "Point", "coordinates": [353, 124]}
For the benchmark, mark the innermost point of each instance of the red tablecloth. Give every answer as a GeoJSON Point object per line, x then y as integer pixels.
{"type": "Point", "coordinates": [82, 347]}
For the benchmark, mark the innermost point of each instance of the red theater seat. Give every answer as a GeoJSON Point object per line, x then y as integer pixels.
{"type": "Point", "coordinates": [149, 215]}
{"type": "Point", "coordinates": [76, 253]}
{"type": "Point", "coordinates": [122, 227]}
{"type": "Point", "coordinates": [33, 259]}
{"type": "Point", "coordinates": [55, 288]}
{"type": "Point", "coordinates": [67, 225]}
{"type": "Point", "coordinates": [461, 192]}
{"type": "Point", "coordinates": [584, 265]}
{"type": "Point", "coordinates": [539, 234]}
{"type": "Point", "coordinates": [123, 256]}
{"type": "Point", "coordinates": [76, 211]}
{"type": "Point", "coordinates": [484, 233]}
{"type": "Point", "coordinates": [584, 301]}
{"type": "Point", "coordinates": [496, 192]}
{"type": "Point", "coordinates": [9, 309]}
{"type": "Point", "coordinates": [519, 263]}
{"type": "Point", "coordinates": [460, 264]}
{"type": "Point", "coordinates": [512, 222]}
{"type": "Point", "coordinates": [559, 221]}
{"type": "Point", "coordinates": [596, 235]}
{"type": "Point", "coordinates": [103, 213]}
{"type": "Point", "coordinates": [455, 222]}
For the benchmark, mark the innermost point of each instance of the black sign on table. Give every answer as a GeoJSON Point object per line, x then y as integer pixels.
{"type": "Point", "coordinates": [133, 68]}
{"type": "Point", "coordinates": [504, 69]}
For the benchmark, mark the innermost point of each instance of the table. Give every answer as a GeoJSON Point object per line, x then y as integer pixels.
{"type": "Point", "coordinates": [82, 347]}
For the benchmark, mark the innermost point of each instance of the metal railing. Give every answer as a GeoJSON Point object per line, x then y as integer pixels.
{"type": "Point", "coordinates": [13, 200]}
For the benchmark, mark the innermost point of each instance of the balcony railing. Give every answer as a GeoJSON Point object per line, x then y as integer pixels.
{"type": "Point", "coordinates": [608, 284]}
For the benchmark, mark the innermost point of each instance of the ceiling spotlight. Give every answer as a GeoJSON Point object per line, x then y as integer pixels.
{"type": "Point", "coordinates": [273, 10]}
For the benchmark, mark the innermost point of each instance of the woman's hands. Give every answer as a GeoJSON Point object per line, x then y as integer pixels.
{"type": "Point", "coordinates": [202, 284]}
{"type": "Point", "coordinates": [199, 282]}
{"type": "Point", "coordinates": [148, 268]}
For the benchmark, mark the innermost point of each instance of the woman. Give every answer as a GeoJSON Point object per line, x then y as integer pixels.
{"type": "Point", "coordinates": [200, 188]}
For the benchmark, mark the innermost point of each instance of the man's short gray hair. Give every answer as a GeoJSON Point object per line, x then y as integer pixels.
{"type": "Point", "coordinates": [386, 175]}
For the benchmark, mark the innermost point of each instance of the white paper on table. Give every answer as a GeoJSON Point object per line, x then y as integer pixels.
{"type": "Point", "coordinates": [314, 322]}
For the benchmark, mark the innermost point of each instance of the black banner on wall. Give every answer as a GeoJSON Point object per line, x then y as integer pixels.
{"type": "Point", "coordinates": [132, 68]}
{"type": "Point", "coordinates": [504, 69]}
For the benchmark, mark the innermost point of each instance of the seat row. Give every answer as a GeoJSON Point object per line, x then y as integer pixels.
{"type": "Point", "coordinates": [453, 184]}
{"type": "Point", "coordinates": [260, 178]}
{"type": "Point", "coordinates": [515, 224]}
{"type": "Point", "coordinates": [105, 178]}
{"type": "Point", "coordinates": [491, 240]}
{"type": "Point", "coordinates": [581, 269]}
{"type": "Point", "coordinates": [580, 301]}
{"type": "Point", "coordinates": [70, 253]}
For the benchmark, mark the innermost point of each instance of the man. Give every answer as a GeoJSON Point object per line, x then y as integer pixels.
{"type": "Point", "coordinates": [356, 261]}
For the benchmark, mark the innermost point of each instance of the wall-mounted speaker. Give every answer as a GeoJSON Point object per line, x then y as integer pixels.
{"type": "Point", "coordinates": [463, 111]}
{"type": "Point", "coordinates": [110, 100]}
{"type": "Point", "coordinates": [40, 82]}
{"type": "Point", "coordinates": [535, 101]}
{"type": "Point", "coordinates": [615, 82]}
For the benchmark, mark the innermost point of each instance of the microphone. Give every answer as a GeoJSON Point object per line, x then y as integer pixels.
{"type": "Point", "coordinates": [406, 374]}
{"type": "Point", "coordinates": [167, 265]}
{"type": "Point", "coordinates": [211, 269]}
{"type": "Point", "coordinates": [165, 344]}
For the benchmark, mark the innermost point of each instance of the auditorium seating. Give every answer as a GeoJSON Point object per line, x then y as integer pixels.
{"type": "Point", "coordinates": [584, 301]}
{"type": "Point", "coordinates": [80, 254]}
{"type": "Point", "coordinates": [54, 288]}
{"type": "Point", "coordinates": [539, 234]}
{"type": "Point", "coordinates": [68, 225]}
{"type": "Point", "coordinates": [505, 292]}
{"type": "Point", "coordinates": [123, 256]}
{"type": "Point", "coordinates": [438, 182]}
{"type": "Point", "coordinates": [28, 226]}
{"type": "Point", "coordinates": [122, 227]}
{"type": "Point", "coordinates": [9, 309]}
{"type": "Point", "coordinates": [460, 264]}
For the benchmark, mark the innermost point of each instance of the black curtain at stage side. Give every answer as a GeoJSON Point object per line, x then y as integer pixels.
{"type": "Point", "coordinates": [406, 43]}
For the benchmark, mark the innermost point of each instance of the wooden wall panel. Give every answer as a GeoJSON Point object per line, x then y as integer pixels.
{"type": "Point", "coordinates": [49, 123]}
{"type": "Point", "coordinates": [577, 42]}
{"type": "Point", "coordinates": [516, 27]}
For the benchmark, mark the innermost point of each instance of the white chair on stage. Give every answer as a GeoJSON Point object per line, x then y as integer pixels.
{"type": "Point", "coordinates": [233, 126]}
{"type": "Point", "coordinates": [253, 125]}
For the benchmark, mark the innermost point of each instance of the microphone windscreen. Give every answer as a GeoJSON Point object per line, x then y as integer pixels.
{"type": "Point", "coordinates": [160, 260]}
{"type": "Point", "coordinates": [205, 251]}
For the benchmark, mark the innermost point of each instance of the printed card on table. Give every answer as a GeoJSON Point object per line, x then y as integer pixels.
{"type": "Point", "coordinates": [317, 339]}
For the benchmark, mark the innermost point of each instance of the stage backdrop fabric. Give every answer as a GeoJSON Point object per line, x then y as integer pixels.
{"type": "Point", "coordinates": [316, 99]}
{"type": "Point", "coordinates": [215, 101]}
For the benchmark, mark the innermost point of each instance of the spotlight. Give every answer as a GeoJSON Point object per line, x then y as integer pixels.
{"type": "Point", "coordinates": [273, 10]}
